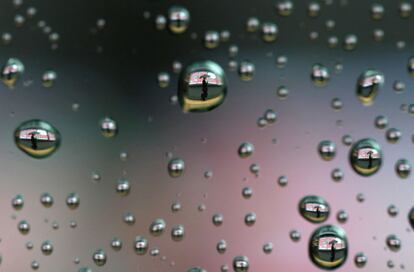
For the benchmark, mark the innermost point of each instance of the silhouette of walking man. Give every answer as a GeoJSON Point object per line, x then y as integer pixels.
{"type": "Point", "coordinates": [33, 140]}
{"type": "Point", "coordinates": [318, 211]}
{"type": "Point", "coordinates": [370, 153]}
{"type": "Point", "coordinates": [333, 243]}
{"type": "Point", "coordinates": [204, 88]}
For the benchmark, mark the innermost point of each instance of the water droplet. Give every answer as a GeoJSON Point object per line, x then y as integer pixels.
{"type": "Point", "coordinates": [246, 70]}
{"type": "Point", "coordinates": [252, 24]}
{"type": "Point", "coordinates": [221, 246]}
{"type": "Point", "coordinates": [23, 227]}
{"type": "Point", "coordinates": [350, 42]}
{"type": "Point", "coordinates": [347, 140]}
{"type": "Point", "coordinates": [141, 245]}
{"type": "Point", "coordinates": [37, 138]}
{"type": "Point", "coordinates": [123, 187]}
{"type": "Point", "coordinates": [247, 192]}
{"type": "Point", "coordinates": [268, 247]}
{"type": "Point", "coordinates": [85, 269]}
{"type": "Point", "coordinates": [393, 242]}
{"type": "Point", "coordinates": [381, 122]}
{"type": "Point", "coordinates": [175, 207]}
{"type": "Point", "coordinates": [328, 247]}
{"type": "Point", "coordinates": [6, 38]}
{"type": "Point", "coordinates": [393, 135]}
{"type": "Point", "coordinates": [333, 41]}
{"type": "Point", "coordinates": [269, 32]}
{"type": "Point", "coordinates": [282, 92]}
{"type": "Point", "coordinates": [368, 85]}
{"type": "Point", "coordinates": [270, 116]}
{"type": "Point", "coordinates": [314, 209]}
{"type": "Point", "coordinates": [403, 168]}
{"type": "Point", "coordinates": [366, 157]}
{"type": "Point", "coordinates": [245, 150]}
{"type": "Point", "coordinates": [284, 7]}
{"type": "Point", "coordinates": [49, 78]}
{"type": "Point", "coordinates": [342, 216]}
{"type": "Point", "coordinates": [116, 244]}
{"type": "Point", "coordinates": [47, 200]}
{"type": "Point", "coordinates": [160, 22]}
{"type": "Point", "coordinates": [73, 201]}
{"type": "Point", "coordinates": [250, 219]}
{"type": "Point", "coordinates": [392, 210]}
{"type": "Point", "coordinates": [218, 219]}
{"type": "Point", "coordinates": [241, 264]}
{"type": "Point", "coordinates": [337, 104]}
{"type": "Point", "coordinates": [405, 9]}
{"type": "Point", "coordinates": [377, 11]}
{"type": "Point", "coordinates": [29, 245]}
{"type": "Point", "coordinates": [202, 87]}
{"type": "Point", "coordinates": [99, 257]}
{"type": "Point", "coordinates": [157, 227]}
{"type": "Point", "coordinates": [163, 79]}
{"type": "Point", "coordinates": [378, 35]}
{"type": "Point", "coordinates": [129, 218]}
{"type": "Point", "coordinates": [320, 75]}
{"type": "Point", "coordinates": [360, 197]}
{"type": "Point", "coordinates": [109, 128]}
{"type": "Point", "coordinates": [178, 19]}
{"type": "Point", "coordinates": [337, 174]}
{"type": "Point", "coordinates": [211, 39]}
{"type": "Point", "coordinates": [255, 169]}
{"type": "Point", "coordinates": [17, 202]}
{"type": "Point", "coordinates": [177, 232]}
{"type": "Point", "coordinates": [176, 168]}
{"type": "Point", "coordinates": [295, 235]}
{"type": "Point", "coordinates": [35, 265]}
{"type": "Point", "coordinates": [46, 248]}
{"type": "Point", "coordinates": [283, 181]}
{"type": "Point", "coordinates": [327, 150]}
{"type": "Point", "coordinates": [360, 259]}
{"type": "Point", "coordinates": [314, 9]}
{"type": "Point", "coordinates": [281, 61]}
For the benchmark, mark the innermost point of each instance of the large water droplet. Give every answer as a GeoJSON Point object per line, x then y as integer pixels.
{"type": "Point", "coordinates": [393, 242]}
{"type": "Point", "coordinates": [23, 227]}
{"type": "Point", "coordinates": [11, 71]}
{"type": "Point", "coordinates": [37, 138]}
{"type": "Point", "coordinates": [99, 257]}
{"type": "Point", "coordinates": [73, 201]}
{"type": "Point", "coordinates": [320, 75]}
{"type": "Point", "coordinates": [177, 232]}
{"type": "Point", "coordinates": [368, 85]}
{"type": "Point", "coordinates": [202, 87]}
{"type": "Point", "coordinates": [178, 19]}
{"type": "Point", "coordinates": [403, 168]}
{"type": "Point", "coordinates": [18, 202]}
{"type": "Point", "coordinates": [366, 157]}
{"type": "Point", "coordinates": [328, 247]}
{"type": "Point", "coordinates": [46, 248]}
{"type": "Point", "coordinates": [140, 245]}
{"type": "Point", "coordinates": [157, 227]}
{"type": "Point", "coordinates": [360, 259]}
{"type": "Point", "coordinates": [245, 150]}
{"type": "Point", "coordinates": [327, 150]}
{"type": "Point", "coordinates": [49, 78]}
{"type": "Point", "coordinates": [314, 209]}
{"type": "Point", "coordinates": [109, 128]}
{"type": "Point", "coordinates": [246, 70]}
{"type": "Point", "coordinates": [241, 264]}
{"type": "Point", "coordinates": [269, 32]}
{"type": "Point", "coordinates": [176, 168]}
